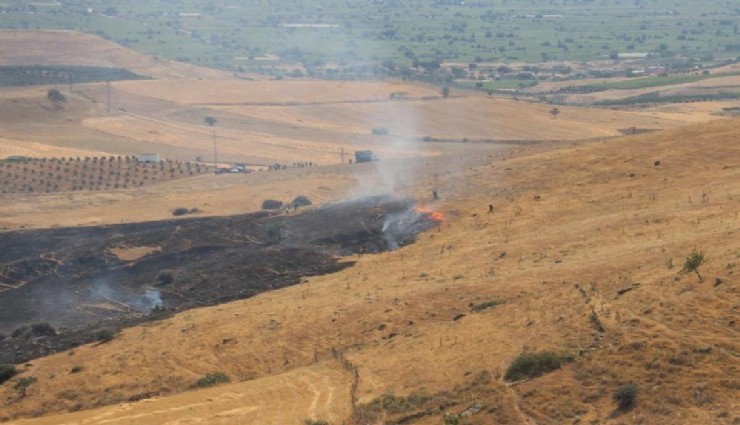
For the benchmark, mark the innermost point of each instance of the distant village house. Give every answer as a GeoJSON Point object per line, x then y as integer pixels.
{"type": "Point", "coordinates": [148, 157]}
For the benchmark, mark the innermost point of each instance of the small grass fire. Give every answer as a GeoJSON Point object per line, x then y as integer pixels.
{"type": "Point", "coordinates": [436, 216]}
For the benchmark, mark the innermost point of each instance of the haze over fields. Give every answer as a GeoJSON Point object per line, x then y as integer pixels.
{"type": "Point", "coordinates": [560, 249]}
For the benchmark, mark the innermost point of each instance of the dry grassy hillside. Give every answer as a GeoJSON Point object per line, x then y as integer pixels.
{"type": "Point", "coordinates": [277, 121]}
{"type": "Point", "coordinates": [47, 47]}
{"type": "Point", "coordinates": [582, 257]}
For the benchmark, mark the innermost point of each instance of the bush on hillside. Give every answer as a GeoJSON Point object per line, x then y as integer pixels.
{"type": "Point", "coordinates": [626, 395]}
{"type": "Point", "coordinates": [22, 332]}
{"type": "Point", "coordinates": [22, 384]}
{"type": "Point", "coordinates": [212, 379]}
{"type": "Point", "coordinates": [301, 201]}
{"type": "Point", "coordinates": [271, 204]}
{"type": "Point", "coordinates": [165, 277]}
{"type": "Point", "coordinates": [105, 335]}
{"type": "Point", "coordinates": [530, 365]}
{"type": "Point", "coordinates": [180, 211]}
{"type": "Point", "coordinates": [7, 371]}
{"type": "Point", "coordinates": [43, 329]}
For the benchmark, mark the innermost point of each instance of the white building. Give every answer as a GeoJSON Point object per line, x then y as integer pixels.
{"type": "Point", "coordinates": [148, 157]}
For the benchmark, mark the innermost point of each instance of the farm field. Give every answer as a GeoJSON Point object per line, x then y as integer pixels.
{"type": "Point", "coordinates": [411, 290]}
{"type": "Point", "coordinates": [233, 35]}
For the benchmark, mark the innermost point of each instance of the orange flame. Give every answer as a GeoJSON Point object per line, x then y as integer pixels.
{"type": "Point", "coordinates": [436, 216]}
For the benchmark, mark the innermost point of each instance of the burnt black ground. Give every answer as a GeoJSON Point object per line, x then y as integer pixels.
{"type": "Point", "coordinates": [68, 277]}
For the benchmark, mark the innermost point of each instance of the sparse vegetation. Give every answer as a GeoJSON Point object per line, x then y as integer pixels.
{"type": "Point", "coordinates": [626, 395]}
{"type": "Point", "coordinates": [180, 211]}
{"type": "Point", "coordinates": [693, 262]}
{"type": "Point", "coordinates": [272, 204]}
{"type": "Point", "coordinates": [476, 308]}
{"type": "Point", "coordinates": [212, 379]}
{"type": "Point", "coordinates": [165, 277]}
{"type": "Point", "coordinates": [56, 97]}
{"type": "Point", "coordinates": [43, 329]}
{"type": "Point", "coordinates": [274, 231]}
{"type": "Point", "coordinates": [315, 422]}
{"type": "Point", "coordinates": [22, 384]}
{"type": "Point", "coordinates": [301, 201]}
{"type": "Point", "coordinates": [531, 365]}
{"type": "Point", "coordinates": [391, 404]}
{"type": "Point", "coordinates": [23, 332]}
{"type": "Point", "coordinates": [105, 335]}
{"type": "Point", "coordinates": [7, 372]}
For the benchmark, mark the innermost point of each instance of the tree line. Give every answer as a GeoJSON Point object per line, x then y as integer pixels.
{"type": "Point", "coordinates": [25, 75]}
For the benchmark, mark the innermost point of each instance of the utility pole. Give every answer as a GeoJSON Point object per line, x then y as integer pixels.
{"type": "Point", "coordinates": [211, 122]}
{"type": "Point", "coordinates": [107, 85]}
{"type": "Point", "coordinates": [215, 151]}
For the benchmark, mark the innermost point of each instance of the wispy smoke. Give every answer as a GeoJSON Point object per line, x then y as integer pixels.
{"type": "Point", "coordinates": [400, 228]}
{"type": "Point", "coordinates": [101, 290]}
{"type": "Point", "coordinates": [152, 299]}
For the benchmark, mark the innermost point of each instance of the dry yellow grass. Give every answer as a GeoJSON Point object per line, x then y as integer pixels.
{"type": "Point", "coordinates": [574, 223]}
{"type": "Point", "coordinates": [606, 217]}
{"type": "Point", "coordinates": [317, 391]}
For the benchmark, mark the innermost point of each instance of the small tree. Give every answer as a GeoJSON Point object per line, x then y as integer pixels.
{"type": "Point", "coordinates": [56, 98]}
{"type": "Point", "coordinates": [555, 112]}
{"type": "Point", "coordinates": [693, 262]}
{"type": "Point", "coordinates": [22, 384]}
{"type": "Point", "coordinates": [210, 121]}
{"type": "Point", "coordinates": [445, 92]}
{"type": "Point", "coordinates": [626, 395]}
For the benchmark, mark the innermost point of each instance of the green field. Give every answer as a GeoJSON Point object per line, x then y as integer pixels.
{"type": "Point", "coordinates": [230, 33]}
{"type": "Point", "coordinates": [645, 82]}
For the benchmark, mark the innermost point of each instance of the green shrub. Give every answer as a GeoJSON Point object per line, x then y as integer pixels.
{"type": "Point", "coordinates": [301, 201]}
{"type": "Point", "coordinates": [274, 231]}
{"type": "Point", "coordinates": [272, 204]}
{"type": "Point", "coordinates": [212, 379]}
{"type": "Point", "coordinates": [530, 365]}
{"type": "Point", "coordinates": [22, 384]}
{"type": "Point", "coordinates": [7, 371]}
{"type": "Point", "coordinates": [380, 131]}
{"type": "Point", "coordinates": [105, 335]}
{"type": "Point", "coordinates": [180, 211]}
{"type": "Point", "coordinates": [315, 422]}
{"type": "Point", "coordinates": [626, 395]}
{"type": "Point", "coordinates": [76, 369]}
{"type": "Point", "coordinates": [693, 262]}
